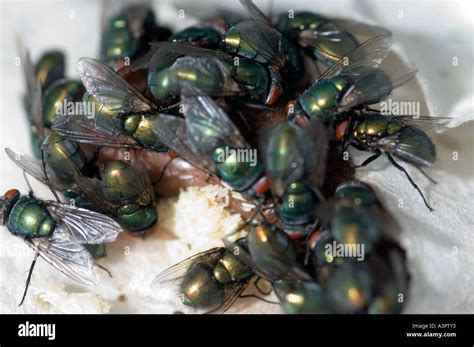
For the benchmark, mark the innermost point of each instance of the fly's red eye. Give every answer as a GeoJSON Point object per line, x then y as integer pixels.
{"type": "Point", "coordinates": [11, 193]}
{"type": "Point", "coordinates": [341, 129]}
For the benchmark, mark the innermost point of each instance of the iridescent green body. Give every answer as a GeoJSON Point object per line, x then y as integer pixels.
{"type": "Point", "coordinates": [29, 218]}
{"type": "Point", "coordinates": [244, 39]}
{"type": "Point", "coordinates": [121, 181]}
{"type": "Point", "coordinates": [264, 241]}
{"type": "Point", "coordinates": [372, 127]}
{"type": "Point", "coordinates": [139, 127]}
{"type": "Point", "coordinates": [204, 36]}
{"type": "Point", "coordinates": [158, 78]}
{"type": "Point", "coordinates": [50, 68]}
{"type": "Point", "coordinates": [351, 287]}
{"type": "Point", "coordinates": [298, 201]}
{"type": "Point", "coordinates": [64, 157]}
{"type": "Point", "coordinates": [297, 204]}
{"type": "Point", "coordinates": [321, 100]}
{"type": "Point", "coordinates": [357, 192]}
{"type": "Point", "coordinates": [299, 21]}
{"type": "Point", "coordinates": [204, 284]}
{"type": "Point", "coordinates": [301, 297]}
{"type": "Point", "coordinates": [159, 83]}
{"type": "Point", "coordinates": [100, 109]}
{"type": "Point", "coordinates": [353, 226]}
{"type": "Point", "coordinates": [252, 75]}
{"type": "Point", "coordinates": [239, 174]}
{"type": "Point", "coordinates": [128, 35]}
{"type": "Point", "coordinates": [118, 41]}
{"type": "Point", "coordinates": [59, 93]}
{"type": "Point", "coordinates": [329, 51]}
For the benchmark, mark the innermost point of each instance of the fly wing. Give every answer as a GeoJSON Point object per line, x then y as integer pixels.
{"type": "Point", "coordinates": [263, 39]}
{"type": "Point", "coordinates": [110, 89]}
{"type": "Point", "coordinates": [170, 130]}
{"type": "Point", "coordinates": [99, 131]}
{"type": "Point", "coordinates": [85, 226]}
{"type": "Point", "coordinates": [361, 92]}
{"type": "Point", "coordinates": [63, 252]}
{"type": "Point", "coordinates": [254, 11]}
{"type": "Point", "coordinates": [369, 54]}
{"type": "Point", "coordinates": [34, 167]}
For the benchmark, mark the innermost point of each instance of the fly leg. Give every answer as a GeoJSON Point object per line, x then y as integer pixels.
{"type": "Point", "coordinates": [105, 269]}
{"type": "Point", "coordinates": [30, 190]}
{"type": "Point", "coordinates": [255, 296]}
{"type": "Point", "coordinates": [28, 279]}
{"type": "Point", "coordinates": [399, 167]}
{"type": "Point", "coordinates": [368, 160]}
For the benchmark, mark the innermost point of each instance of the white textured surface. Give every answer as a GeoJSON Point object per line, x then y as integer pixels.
{"type": "Point", "coordinates": [440, 245]}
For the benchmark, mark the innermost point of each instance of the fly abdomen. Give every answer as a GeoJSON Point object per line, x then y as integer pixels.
{"type": "Point", "coordinates": [138, 125]}
{"type": "Point", "coordinates": [200, 288]}
{"type": "Point", "coordinates": [64, 157]}
{"type": "Point", "coordinates": [417, 147]}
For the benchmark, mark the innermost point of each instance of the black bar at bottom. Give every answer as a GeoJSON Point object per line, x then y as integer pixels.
{"type": "Point", "coordinates": [156, 330]}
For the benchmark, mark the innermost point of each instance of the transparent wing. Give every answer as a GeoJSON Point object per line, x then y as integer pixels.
{"type": "Point", "coordinates": [254, 11]}
{"type": "Point", "coordinates": [408, 152]}
{"type": "Point", "coordinates": [337, 38]}
{"type": "Point", "coordinates": [100, 130]}
{"type": "Point", "coordinates": [218, 83]}
{"type": "Point", "coordinates": [369, 54]}
{"type": "Point", "coordinates": [362, 91]}
{"type": "Point", "coordinates": [187, 49]}
{"type": "Point", "coordinates": [292, 270]}
{"type": "Point", "coordinates": [315, 148]}
{"type": "Point", "coordinates": [153, 59]}
{"type": "Point", "coordinates": [98, 194]}
{"type": "Point", "coordinates": [28, 70]}
{"type": "Point", "coordinates": [109, 88]}
{"type": "Point", "coordinates": [63, 252]}
{"type": "Point", "coordinates": [170, 130]}
{"type": "Point", "coordinates": [425, 122]}
{"type": "Point", "coordinates": [358, 28]}
{"type": "Point", "coordinates": [208, 126]}
{"type": "Point", "coordinates": [34, 167]}
{"type": "Point", "coordinates": [177, 271]}
{"type": "Point", "coordinates": [262, 39]}
{"type": "Point", "coordinates": [85, 226]}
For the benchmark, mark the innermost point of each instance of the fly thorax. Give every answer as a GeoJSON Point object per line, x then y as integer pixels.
{"type": "Point", "coordinates": [29, 218]}
{"type": "Point", "coordinates": [239, 168]}
{"type": "Point", "coordinates": [320, 100]}
{"type": "Point", "coordinates": [231, 269]}
{"type": "Point", "coordinates": [131, 122]}
{"type": "Point", "coordinates": [231, 40]}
